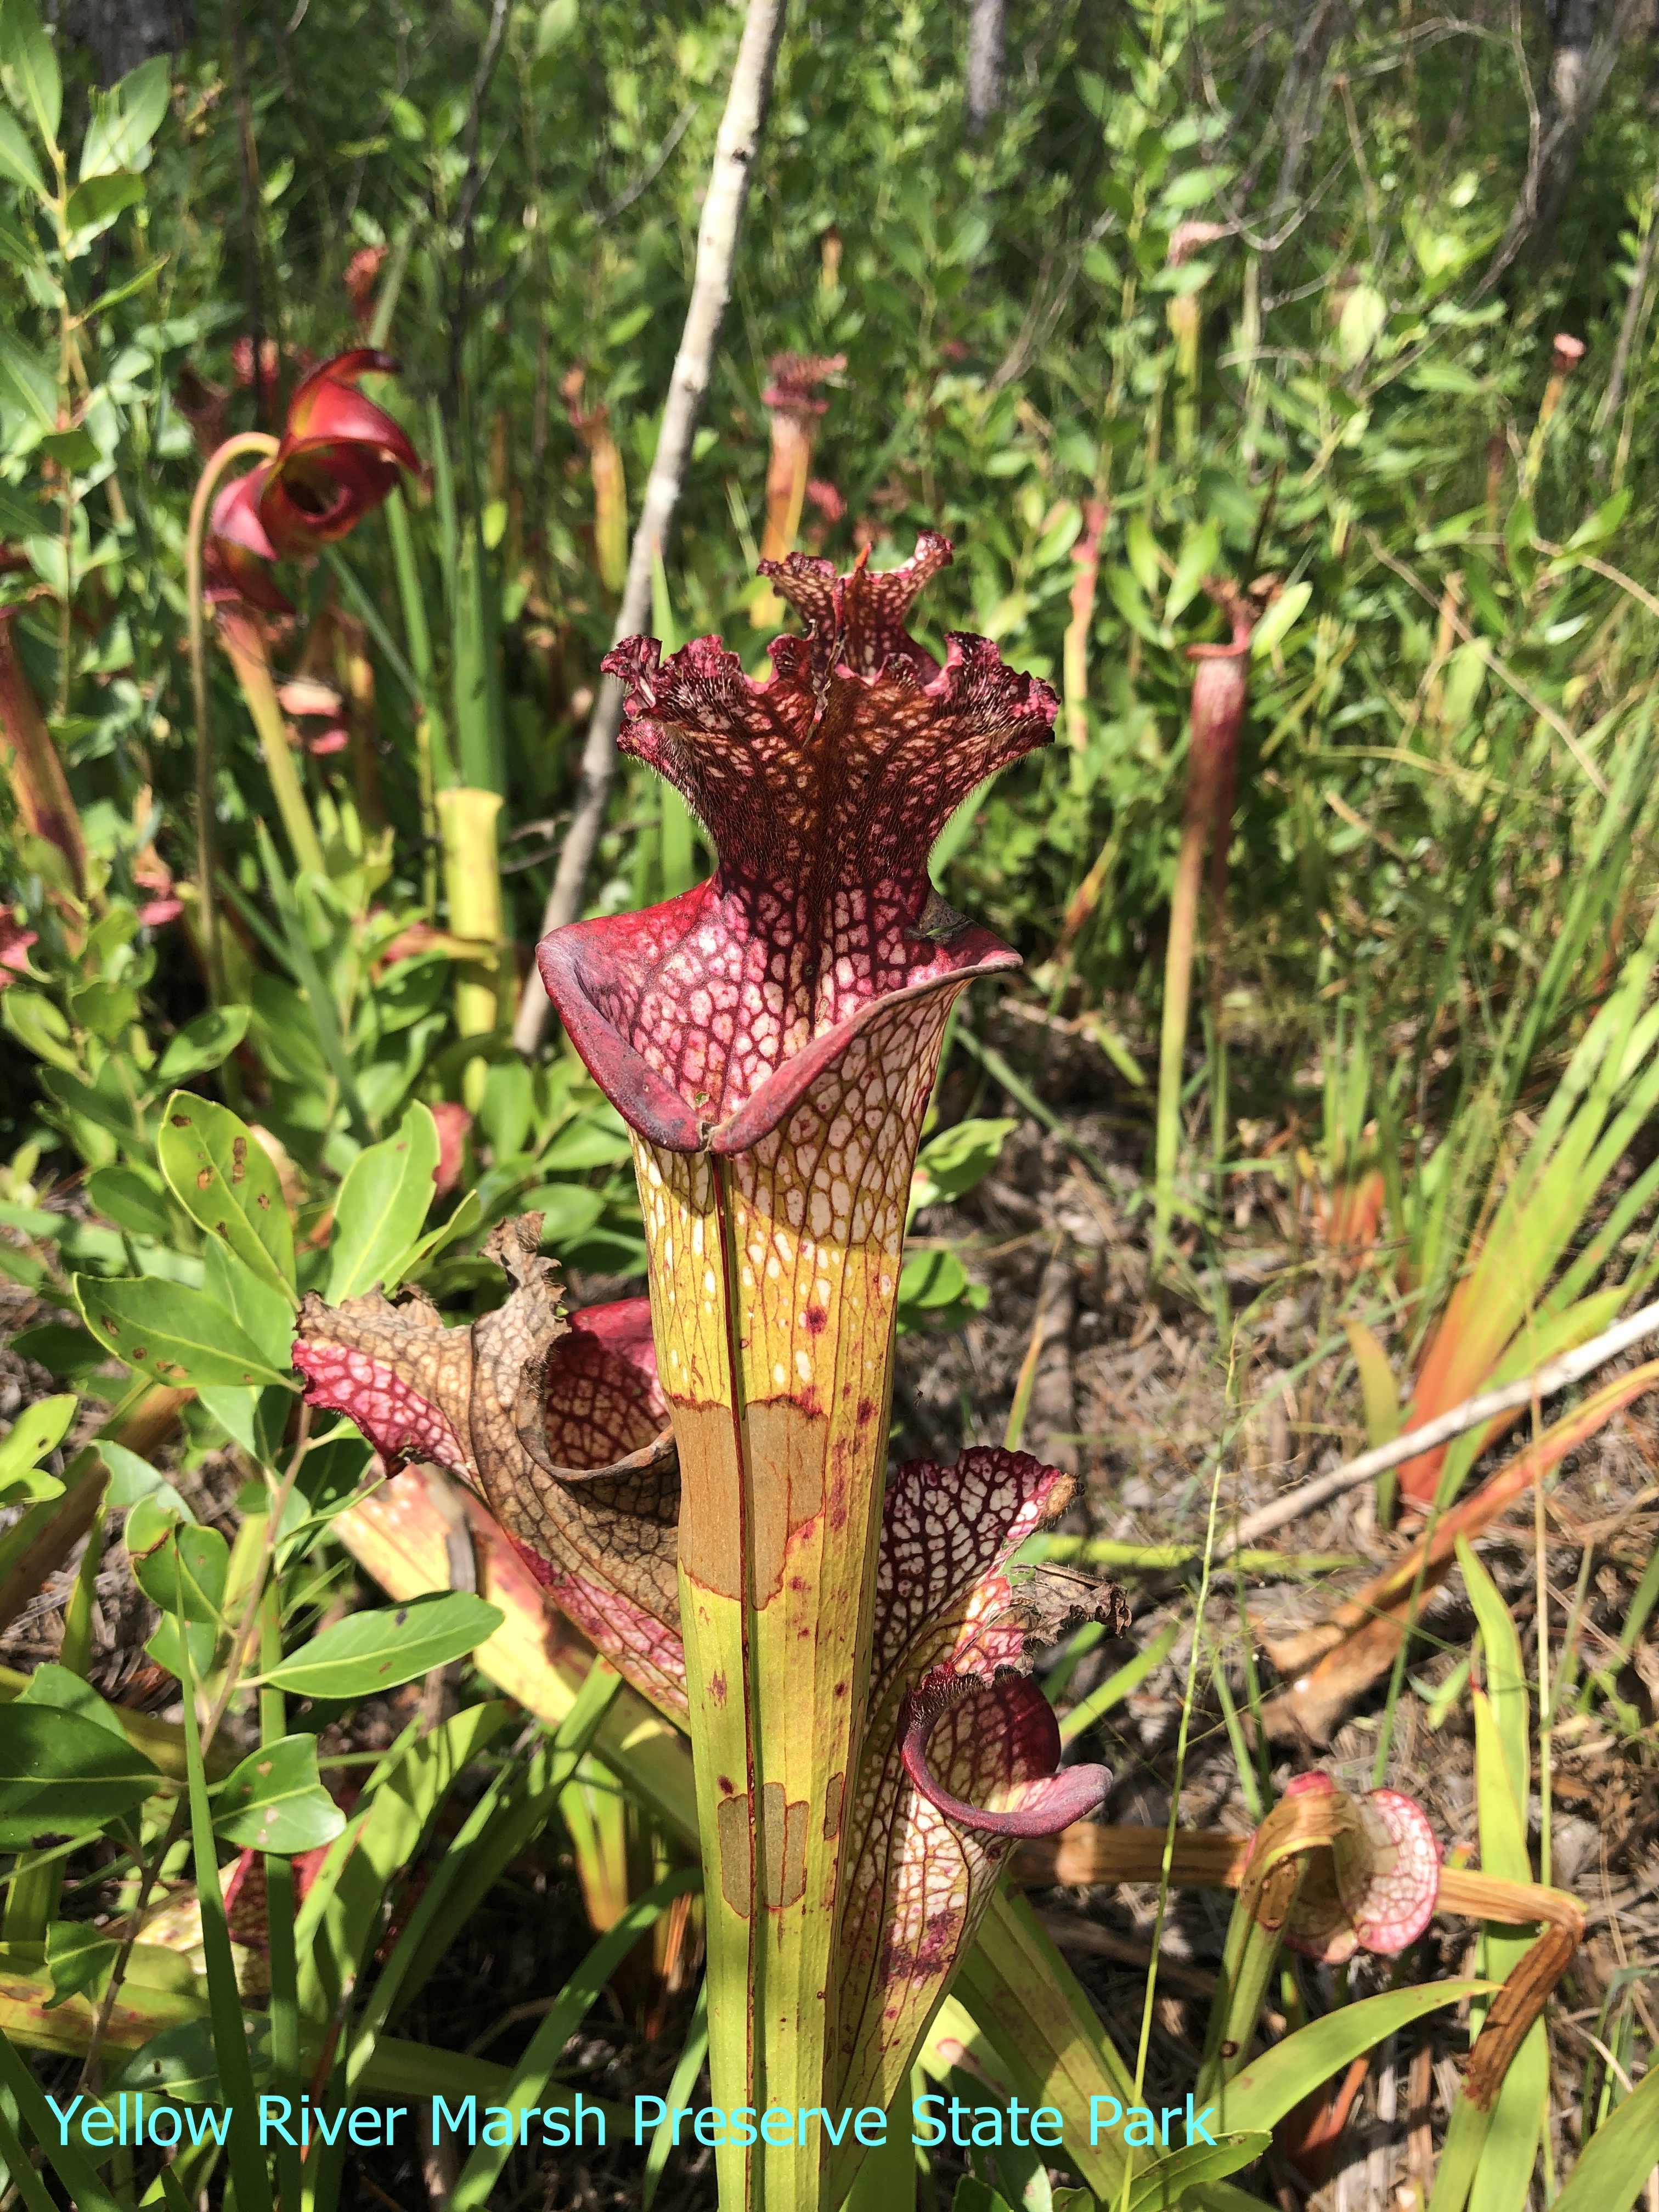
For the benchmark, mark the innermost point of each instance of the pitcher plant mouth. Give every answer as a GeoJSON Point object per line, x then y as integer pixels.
{"type": "Point", "coordinates": [1374, 1887]}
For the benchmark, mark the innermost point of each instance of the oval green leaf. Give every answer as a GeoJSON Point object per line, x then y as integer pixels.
{"type": "Point", "coordinates": [123, 1195]}
{"type": "Point", "coordinates": [18, 165]}
{"type": "Point", "coordinates": [203, 1043]}
{"type": "Point", "coordinates": [179, 1566]}
{"type": "Point", "coordinates": [586, 1144]}
{"type": "Point", "coordinates": [40, 1428]}
{"type": "Point", "coordinates": [63, 1775]}
{"type": "Point", "coordinates": [275, 1800]}
{"type": "Point", "coordinates": [222, 1175]}
{"type": "Point", "coordinates": [169, 1333]}
{"type": "Point", "coordinates": [382, 1205]}
{"type": "Point", "coordinates": [372, 1652]}
{"type": "Point", "coordinates": [264, 1315]}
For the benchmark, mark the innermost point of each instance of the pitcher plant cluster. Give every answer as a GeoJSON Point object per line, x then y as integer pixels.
{"type": "Point", "coordinates": [710, 1505]}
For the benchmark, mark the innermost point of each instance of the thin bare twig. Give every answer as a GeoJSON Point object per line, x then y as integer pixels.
{"type": "Point", "coordinates": [1474, 1412]}
{"type": "Point", "coordinates": [652, 169]}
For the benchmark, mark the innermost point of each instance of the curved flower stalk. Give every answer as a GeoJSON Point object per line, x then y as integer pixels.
{"type": "Point", "coordinates": [961, 1750]}
{"type": "Point", "coordinates": [337, 459]}
{"type": "Point", "coordinates": [771, 1038]}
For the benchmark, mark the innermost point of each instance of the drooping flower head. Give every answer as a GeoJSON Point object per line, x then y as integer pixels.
{"type": "Point", "coordinates": [338, 457]}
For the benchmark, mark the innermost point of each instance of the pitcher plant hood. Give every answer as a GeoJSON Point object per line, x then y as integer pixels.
{"type": "Point", "coordinates": [1373, 1886]}
{"type": "Point", "coordinates": [823, 788]}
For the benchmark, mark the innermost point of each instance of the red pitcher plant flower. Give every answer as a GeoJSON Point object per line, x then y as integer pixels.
{"type": "Point", "coordinates": [560, 1426]}
{"type": "Point", "coordinates": [337, 459]}
{"type": "Point", "coordinates": [338, 456]}
{"type": "Point", "coordinates": [771, 1038]}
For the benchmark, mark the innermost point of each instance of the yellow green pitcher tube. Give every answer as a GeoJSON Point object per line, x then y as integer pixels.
{"type": "Point", "coordinates": [772, 1036]}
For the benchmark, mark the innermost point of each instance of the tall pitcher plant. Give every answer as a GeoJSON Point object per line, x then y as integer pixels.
{"type": "Point", "coordinates": [771, 1038]}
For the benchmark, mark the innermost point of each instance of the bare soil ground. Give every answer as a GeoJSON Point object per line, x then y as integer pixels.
{"type": "Point", "coordinates": [1151, 1405]}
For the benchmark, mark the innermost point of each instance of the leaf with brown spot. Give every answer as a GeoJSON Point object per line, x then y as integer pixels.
{"type": "Point", "coordinates": [207, 1157]}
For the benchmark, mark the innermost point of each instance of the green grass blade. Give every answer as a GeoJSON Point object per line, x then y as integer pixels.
{"type": "Point", "coordinates": [22, 2172]}
{"type": "Point", "coordinates": [372, 621]}
{"type": "Point", "coordinates": [569, 2010]}
{"type": "Point", "coordinates": [1505, 1686]}
{"type": "Point", "coordinates": [1503, 2178]}
{"type": "Point", "coordinates": [1118, 1684]}
{"type": "Point", "coordinates": [1263, 2093]}
{"type": "Point", "coordinates": [248, 2166]}
{"type": "Point", "coordinates": [487, 1842]}
{"type": "Point", "coordinates": [1244, 1765]}
{"type": "Point", "coordinates": [686, 2070]}
{"type": "Point", "coordinates": [85, 2190]}
{"type": "Point", "coordinates": [1618, 2157]}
